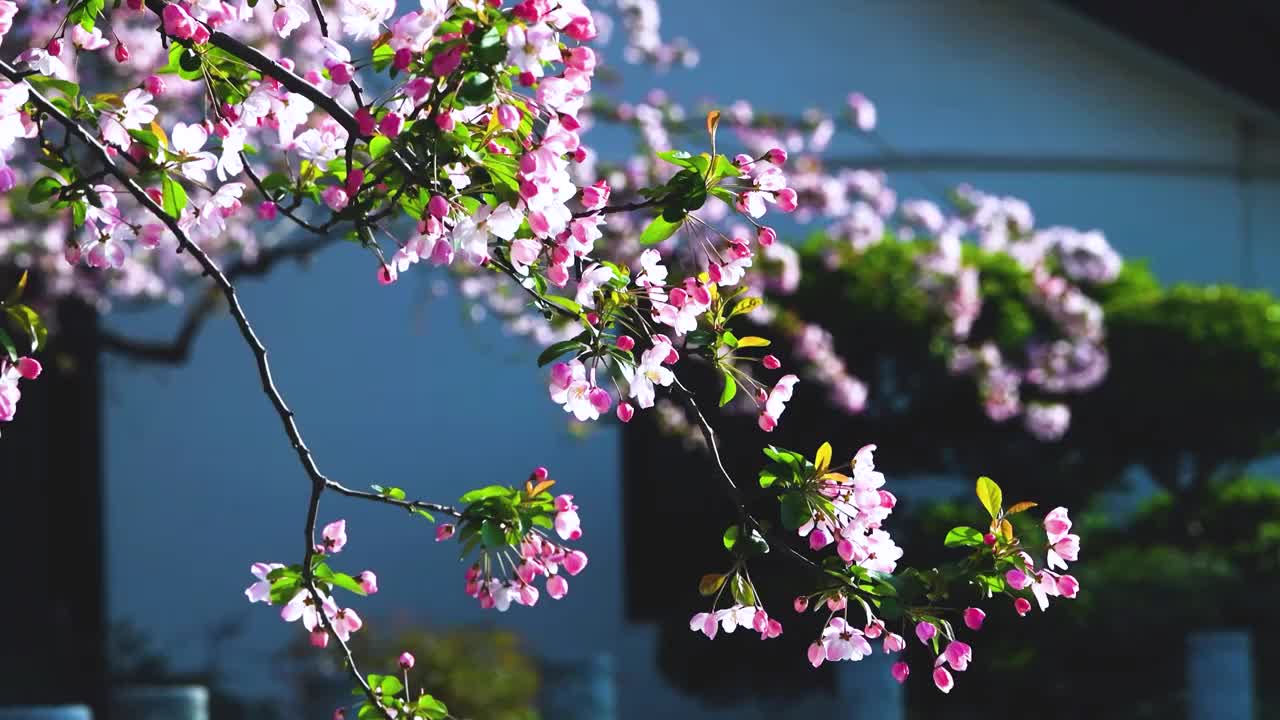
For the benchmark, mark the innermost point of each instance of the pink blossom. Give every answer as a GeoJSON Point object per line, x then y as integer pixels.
{"type": "Point", "coordinates": [366, 123]}
{"type": "Point", "coordinates": [574, 562]}
{"type": "Point", "coordinates": [864, 112]}
{"type": "Point", "coordinates": [704, 623]}
{"type": "Point", "coordinates": [261, 590]}
{"type": "Point", "coordinates": [335, 536]}
{"type": "Point", "coordinates": [973, 618]}
{"type": "Point", "coordinates": [958, 654]}
{"type": "Point", "coordinates": [1017, 579]}
{"type": "Point", "coordinates": [29, 368]}
{"type": "Point", "coordinates": [391, 124]}
{"type": "Point", "coordinates": [894, 642]}
{"type": "Point", "coordinates": [267, 210]}
{"type": "Point", "coordinates": [177, 22]}
{"type": "Point", "coordinates": [335, 197]}
{"type": "Point", "coordinates": [567, 524]}
{"type": "Point", "coordinates": [595, 196]}
{"type": "Point", "coordinates": [557, 587]}
{"type": "Point", "coordinates": [787, 201]}
{"type": "Point", "coordinates": [776, 402]}
{"type": "Point", "coordinates": [817, 654]}
{"type": "Point", "coordinates": [1057, 524]}
{"type": "Point", "coordinates": [900, 671]}
{"type": "Point", "coordinates": [569, 387]}
{"type": "Point", "coordinates": [926, 630]}
{"type": "Point", "coordinates": [1022, 606]}
{"type": "Point", "coordinates": [943, 679]}
{"type": "Point", "coordinates": [1065, 548]}
{"type": "Point", "coordinates": [844, 642]}
{"type": "Point", "coordinates": [509, 116]}
{"type": "Point", "coordinates": [1068, 586]}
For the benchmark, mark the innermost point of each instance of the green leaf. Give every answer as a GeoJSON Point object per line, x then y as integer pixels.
{"type": "Point", "coordinates": [728, 338]}
{"type": "Point", "coordinates": [432, 708]}
{"type": "Point", "coordinates": [379, 146]}
{"type": "Point", "coordinates": [659, 229]}
{"type": "Point", "coordinates": [795, 510]}
{"type": "Point", "coordinates": [483, 493]}
{"type": "Point", "coordinates": [6, 343]}
{"type": "Point", "coordinates": [346, 582]}
{"type": "Point", "coordinates": [173, 195]}
{"type": "Point", "coordinates": [731, 537]}
{"type": "Point", "coordinates": [557, 349]}
{"type": "Point", "coordinates": [723, 168]}
{"type": "Point", "coordinates": [489, 48]}
{"type": "Point", "coordinates": [768, 476]}
{"type": "Point", "coordinates": [390, 685]}
{"type": "Point", "coordinates": [710, 584]}
{"type": "Point", "coordinates": [990, 495]}
{"type": "Point", "coordinates": [492, 535]}
{"type": "Point", "coordinates": [676, 157]}
{"type": "Point", "coordinates": [16, 294]}
{"type": "Point", "coordinates": [742, 591]}
{"type": "Point", "coordinates": [730, 389]}
{"type": "Point", "coordinates": [564, 302]}
{"type": "Point", "coordinates": [963, 537]}
{"type": "Point", "coordinates": [476, 89]}
{"type": "Point", "coordinates": [425, 514]}
{"type": "Point", "coordinates": [30, 322]}
{"type": "Point", "coordinates": [382, 56]}
{"type": "Point", "coordinates": [43, 189]}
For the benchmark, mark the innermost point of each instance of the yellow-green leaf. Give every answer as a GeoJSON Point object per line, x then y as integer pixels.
{"type": "Point", "coordinates": [823, 458]}
{"type": "Point", "coordinates": [751, 341]}
{"type": "Point", "coordinates": [746, 305]}
{"type": "Point", "coordinates": [710, 584]}
{"type": "Point", "coordinates": [989, 495]}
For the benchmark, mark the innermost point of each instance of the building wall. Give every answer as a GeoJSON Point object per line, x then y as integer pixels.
{"type": "Point", "coordinates": [393, 386]}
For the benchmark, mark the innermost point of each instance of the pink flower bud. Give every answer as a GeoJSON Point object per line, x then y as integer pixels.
{"type": "Point", "coordinates": [626, 412]}
{"type": "Point", "coordinates": [267, 210]}
{"type": "Point", "coordinates": [600, 399]}
{"type": "Point", "coordinates": [339, 714]}
{"type": "Point", "coordinates": [122, 53]}
{"type": "Point", "coordinates": [767, 236]}
{"type": "Point", "coordinates": [771, 362]}
{"type": "Point", "coordinates": [894, 642]}
{"type": "Point", "coordinates": [392, 124]}
{"type": "Point", "coordinates": [335, 197]}
{"type": "Point", "coordinates": [777, 156]}
{"type": "Point", "coordinates": [580, 155]}
{"type": "Point", "coordinates": [468, 27]}
{"type": "Point", "coordinates": [340, 73]}
{"type": "Point", "coordinates": [787, 201]}
{"type": "Point", "coordinates": [406, 660]}
{"type": "Point", "coordinates": [365, 122]}
{"type": "Point", "coordinates": [1067, 584]}
{"type": "Point", "coordinates": [988, 539]}
{"type": "Point", "coordinates": [444, 532]}
{"type": "Point", "coordinates": [593, 318]}
{"type": "Point", "coordinates": [973, 618]}
{"type": "Point", "coordinates": [900, 672]}
{"type": "Point", "coordinates": [368, 582]}
{"type": "Point", "coordinates": [29, 368]}
{"type": "Point", "coordinates": [1022, 606]}
{"type": "Point", "coordinates": [387, 275]}
{"type": "Point", "coordinates": [581, 58]}
{"type": "Point", "coordinates": [509, 117]}
{"type": "Point", "coordinates": [557, 587]}
{"type": "Point", "coordinates": [801, 603]}
{"type": "Point", "coordinates": [540, 473]}
{"type": "Point", "coordinates": [319, 639]}
{"type": "Point", "coordinates": [574, 562]}
{"type": "Point", "coordinates": [54, 47]}
{"type": "Point", "coordinates": [1017, 579]}
{"type": "Point", "coordinates": [925, 631]}
{"type": "Point", "coordinates": [595, 196]}
{"type": "Point", "coordinates": [527, 78]}
{"type": "Point", "coordinates": [943, 679]}
{"type": "Point", "coordinates": [445, 122]}
{"type": "Point", "coordinates": [625, 342]}
{"type": "Point", "coordinates": [446, 62]}
{"type": "Point", "coordinates": [403, 59]}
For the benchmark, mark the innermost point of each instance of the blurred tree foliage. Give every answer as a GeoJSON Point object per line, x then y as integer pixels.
{"type": "Point", "coordinates": [1192, 396]}
{"type": "Point", "coordinates": [480, 673]}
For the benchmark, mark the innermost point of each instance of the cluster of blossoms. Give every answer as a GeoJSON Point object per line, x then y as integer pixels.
{"type": "Point", "coordinates": [276, 582]}
{"type": "Point", "coordinates": [26, 368]}
{"type": "Point", "coordinates": [847, 511]}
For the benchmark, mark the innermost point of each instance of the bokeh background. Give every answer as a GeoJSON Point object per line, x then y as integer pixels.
{"type": "Point", "coordinates": [1155, 138]}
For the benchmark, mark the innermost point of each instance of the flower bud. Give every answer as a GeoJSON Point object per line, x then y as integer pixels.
{"type": "Point", "coordinates": [55, 46]}
{"type": "Point", "coordinates": [406, 660]}
{"type": "Point", "coordinates": [625, 342]}
{"type": "Point", "coordinates": [122, 53]}
{"type": "Point", "coordinates": [626, 412]}
{"type": "Point", "coordinates": [771, 362]}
